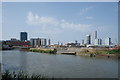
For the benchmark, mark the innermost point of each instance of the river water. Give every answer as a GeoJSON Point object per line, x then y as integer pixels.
{"type": "Point", "coordinates": [60, 66]}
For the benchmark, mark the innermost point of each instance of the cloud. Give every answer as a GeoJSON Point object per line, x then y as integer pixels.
{"type": "Point", "coordinates": [89, 17]}
{"type": "Point", "coordinates": [85, 10]}
{"type": "Point", "coordinates": [51, 31]}
{"type": "Point", "coordinates": [36, 20]}
{"type": "Point", "coordinates": [51, 25]}
{"type": "Point", "coordinates": [76, 27]}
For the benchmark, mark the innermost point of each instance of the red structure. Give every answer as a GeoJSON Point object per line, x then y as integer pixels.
{"type": "Point", "coordinates": [117, 47]}
{"type": "Point", "coordinates": [18, 43]}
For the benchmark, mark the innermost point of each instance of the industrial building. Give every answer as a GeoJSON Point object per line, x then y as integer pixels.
{"type": "Point", "coordinates": [38, 42]}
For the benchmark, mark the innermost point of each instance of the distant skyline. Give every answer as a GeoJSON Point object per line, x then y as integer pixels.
{"type": "Point", "coordinates": [60, 21]}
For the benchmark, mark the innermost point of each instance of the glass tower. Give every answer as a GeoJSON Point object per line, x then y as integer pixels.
{"type": "Point", "coordinates": [23, 36]}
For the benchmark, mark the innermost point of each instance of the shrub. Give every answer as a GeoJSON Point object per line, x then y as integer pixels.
{"type": "Point", "coordinates": [21, 76]}
{"type": "Point", "coordinates": [98, 52]}
{"type": "Point", "coordinates": [44, 51]}
{"type": "Point", "coordinates": [115, 51]}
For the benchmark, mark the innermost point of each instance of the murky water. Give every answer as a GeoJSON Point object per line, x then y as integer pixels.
{"type": "Point", "coordinates": [60, 66]}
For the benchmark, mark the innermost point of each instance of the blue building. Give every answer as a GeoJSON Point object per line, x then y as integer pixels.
{"type": "Point", "coordinates": [23, 36]}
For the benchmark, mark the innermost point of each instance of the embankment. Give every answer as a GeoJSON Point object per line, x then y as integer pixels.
{"type": "Point", "coordinates": [43, 50]}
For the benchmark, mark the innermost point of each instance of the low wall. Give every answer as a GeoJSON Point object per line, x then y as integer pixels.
{"type": "Point", "coordinates": [80, 50]}
{"type": "Point", "coordinates": [43, 48]}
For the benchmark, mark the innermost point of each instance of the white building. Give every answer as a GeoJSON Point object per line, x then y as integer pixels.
{"type": "Point", "coordinates": [83, 42]}
{"type": "Point", "coordinates": [108, 41]}
{"type": "Point", "coordinates": [94, 37]}
{"type": "Point", "coordinates": [37, 42]}
{"type": "Point", "coordinates": [98, 41]}
{"type": "Point", "coordinates": [43, 42]}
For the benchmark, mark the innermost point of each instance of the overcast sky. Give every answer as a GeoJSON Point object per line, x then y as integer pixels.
{"type": "Point", "coordinates": [60, 21]}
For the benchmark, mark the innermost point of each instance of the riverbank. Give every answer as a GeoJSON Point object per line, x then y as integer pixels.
{"type": "Point", "coordinates": [78, 51]}
{"type": "Point", "coordinates": [43, 50]}
{"type": "Point", "coordinates": [90, 51]}
{"type": "Point", "coordinates": [104, 55]}
{"type": "Point", "coordinates": [107, 53]}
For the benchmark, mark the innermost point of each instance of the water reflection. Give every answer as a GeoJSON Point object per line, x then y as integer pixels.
{"type": "Point", "coordinates": [23, 61]}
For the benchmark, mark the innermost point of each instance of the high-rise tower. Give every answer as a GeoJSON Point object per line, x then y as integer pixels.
{"type": "Point", "coordinates": [23, 36]}
{"type": "Point", "coordinates": [108, 41]}
{"type": "Point", "coordinates": [49, 42]}
{"type": "Point", "coordinates": [94, 37]}
{"type": "Point", "coordinates": [83, 42]}
{"type": "Point", "coordinates": [88, 39]}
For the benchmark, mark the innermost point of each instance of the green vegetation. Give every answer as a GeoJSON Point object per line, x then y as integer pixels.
{"type": "Point", "coordinates": [44, 51]}
{"type": "Point", "coordinates": [96, 52]}
{"type": "Point", "coordinates": [114, 51]}
{"type": "Point", "coordinates": [100, 52]}
{"type": "Point", "coordinates": [21, 76]}
{"type": "Point", "coordinates": [104, 52]}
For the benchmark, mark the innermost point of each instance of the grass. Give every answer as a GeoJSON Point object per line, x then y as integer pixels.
{"type": "Point", "coordinates": [43, 51]}
{"type": "Point", "coordinates": [114, 51]}
{"type": "Point", "coordinates": [21, 76]}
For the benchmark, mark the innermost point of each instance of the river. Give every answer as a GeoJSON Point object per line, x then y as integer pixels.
{"type": "Point", "coordinates": [60, 66]}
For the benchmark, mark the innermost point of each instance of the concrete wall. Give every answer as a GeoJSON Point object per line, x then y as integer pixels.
{"type": "Point", "coordinates": [80, 50]}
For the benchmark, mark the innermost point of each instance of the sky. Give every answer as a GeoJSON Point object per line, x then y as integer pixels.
{"type": "Point", "coordinates": [0, 20]}
{"type": "Point", "coordinates": [59, 0]}
{"type": "Point", "coordinates": [60, 21]}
